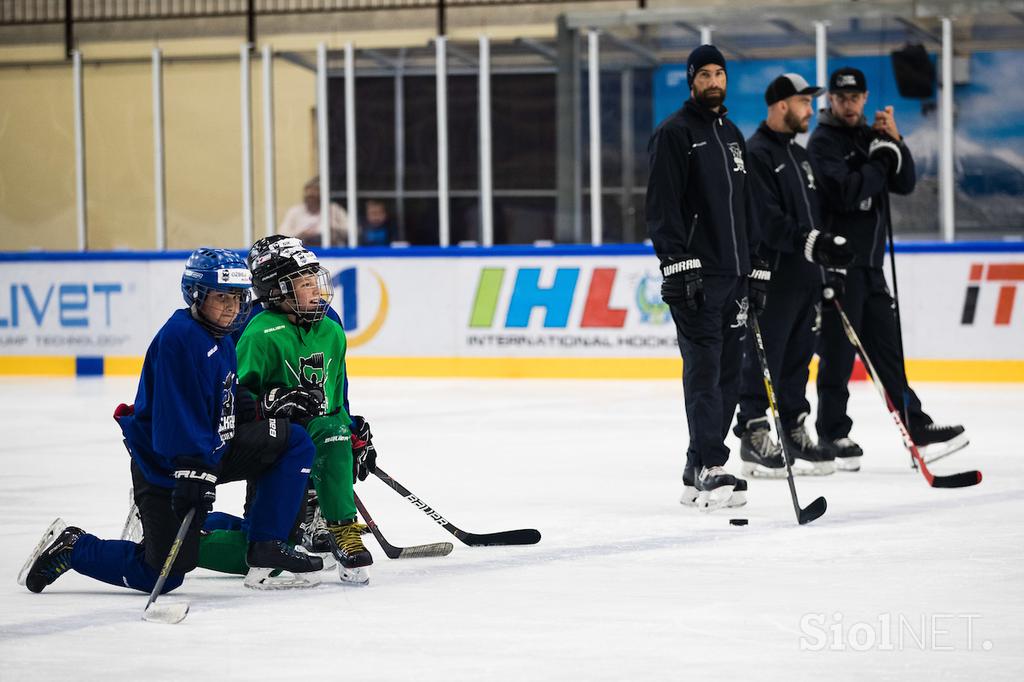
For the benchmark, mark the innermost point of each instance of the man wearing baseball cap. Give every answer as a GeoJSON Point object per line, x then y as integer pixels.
{"type": "Point", "coordinates": [794, 242]}
{"type": "Point", "coordinates": [860, 165]}
{"type": "Point", "coordinates": [701, 221]}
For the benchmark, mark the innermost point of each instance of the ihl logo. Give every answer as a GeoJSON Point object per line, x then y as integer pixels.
{"type": "Point", "coordinates": [1008, 274]}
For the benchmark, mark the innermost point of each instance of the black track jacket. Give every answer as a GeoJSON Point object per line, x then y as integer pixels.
{"type": "Point", "coordinates": [856, 188]}
{"type": "Point", "coordinates": [786, 192]}
{"type": "Point", "coordinates": [698, 194]}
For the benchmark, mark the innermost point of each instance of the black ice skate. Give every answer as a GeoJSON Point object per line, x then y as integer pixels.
{"type": "Point", "coordinates": [935, 442]}
{"type": "Point", "coordinates": [270, 559]}
{"type": "Point", "coordinates": [347, 547]}
{"type": "Point", "coordinates": [807, 458]}
{"type": "Point", "coordinates": [51, 558]}
{"type": "Point", "coordinates": [847, 453]}
{"type": "Point", "coordinates": [715, 486]}
{"type": "Point", "coordinates": [761, 456]}
{"type": "Point", "coordinates": [691, 494]}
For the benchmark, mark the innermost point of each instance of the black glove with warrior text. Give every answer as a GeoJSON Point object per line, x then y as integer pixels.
{"type": "Point", "coordinates": [364, 454]}
{"type": "Point", "coordinates": [757, 283]}
{"type": "Point", "coordinates": [830, 250]}
{"type": "Point", "coordinates": [683, 283]}
{"type": "Point", "coordinates": [834, 286]}
{"type": "Point", "coordinates": [298, 404]}
{"type": "Point", "coordinates": [195, 487]}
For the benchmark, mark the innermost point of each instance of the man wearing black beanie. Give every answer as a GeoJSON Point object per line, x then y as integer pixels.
{"type": "Point", "coordinates": [700, 220]}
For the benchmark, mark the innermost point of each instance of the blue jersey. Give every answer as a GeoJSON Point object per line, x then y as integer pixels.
{"type": "Point", "coordinates": [185, 404]}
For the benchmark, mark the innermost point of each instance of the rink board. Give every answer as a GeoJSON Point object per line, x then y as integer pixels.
{"type": "Point", "coordinates": [502, 312]}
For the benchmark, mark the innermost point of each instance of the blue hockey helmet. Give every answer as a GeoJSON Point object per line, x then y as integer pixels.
{"type": "Point", "coordinates": [216, 270]}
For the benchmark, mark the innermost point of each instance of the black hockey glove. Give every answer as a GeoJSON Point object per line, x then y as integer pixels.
{"type": "Point", "coordinates": [195, 487]}
{"type": "Point", "coordinates": [683, 283]}
{"type": "Point", "coordinates": [834, 287]}
{"type": "Point", "coordinates": [295, 404]}
{"type": "Point", "coordinates": [364, 454]}
{"type": "Point", "coordinates": [889, 152]}
{"type": "Point", "coordinates": [827, 249]}
{"type": "Point", "coordinates": [247, 407]}
{"type": "Point", "coordinates": [757, 283]}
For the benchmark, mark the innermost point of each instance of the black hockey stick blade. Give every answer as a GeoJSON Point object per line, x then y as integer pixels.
{"type": "Point", "coordinates": [173, 612]}
{"type": "Point", "coordinates": [964, 479]}
{"type": "Point", "coordinates": [522, 536]}
{"type": "Point", "coordinates": [812, 511]}
{"type": "Point", "coordinates": [393, 552]}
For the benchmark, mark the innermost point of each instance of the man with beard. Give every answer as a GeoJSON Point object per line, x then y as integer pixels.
{"type": "Point", "coordinates": [789, 205]}
{"type": "Point", "coordinates": [700, 220]}
{"type": "Point", "coordinates": [859, 165]}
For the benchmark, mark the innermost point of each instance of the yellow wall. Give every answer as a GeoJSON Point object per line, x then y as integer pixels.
{"type": "Point", "coordinates": [37, 160]}
{"type": "Point", "coordinates": [202, 142]}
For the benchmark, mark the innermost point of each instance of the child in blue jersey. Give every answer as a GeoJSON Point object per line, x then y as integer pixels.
{"type": "Point", "coordinates": [189, 430]}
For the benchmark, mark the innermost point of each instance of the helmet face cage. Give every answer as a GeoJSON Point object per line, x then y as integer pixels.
{"type": "Point", "coordinates": [296, 287]}
{"type": "Point", "coordinates": [216, 270]}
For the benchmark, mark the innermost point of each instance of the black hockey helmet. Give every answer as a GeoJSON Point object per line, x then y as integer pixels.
{"type": "Point", "coordinates": [280, 267]}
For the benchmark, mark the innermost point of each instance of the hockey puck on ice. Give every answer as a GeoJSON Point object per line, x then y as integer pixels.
{"type": "Point", "coordinates": [737, 522]}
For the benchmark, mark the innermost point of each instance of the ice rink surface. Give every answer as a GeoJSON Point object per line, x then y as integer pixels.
{"type": "Point", "coordinates": [897, 581]}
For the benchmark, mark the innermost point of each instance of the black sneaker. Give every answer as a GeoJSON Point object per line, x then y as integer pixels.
{"type": "Point", "coordinates": [761, 456]}
{"type": "Point", "coordinates": [807, 458]}
{"type": "Point", "coordinates": [847, 454]}
{"type": "Point", "coordinates": [54, 561]}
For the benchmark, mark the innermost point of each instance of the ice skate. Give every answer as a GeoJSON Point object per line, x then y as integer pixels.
{"type": "Point", "coordinates": [935, 442]}
{"type": "Point", "coordinates": [273, 565]}
{"type": "Point", "coordinates": [808, 458]}
{"type": "Point", "coordinates": [761, 456]}
{"type": "Point", "coordinates": [716, 487]}
{"type": "Point", "coordinates": [353, 557]}
{"type": "Point", "coordinates": [316, 539]}
{"type": "Point", "coordinates": [51, 558]}
{"type": "Point", "coordinates": [691, 494]}
{"type": "Point", "coordinates": [132, 531]}
{"type": "Point", "coordinates": [847, 454]}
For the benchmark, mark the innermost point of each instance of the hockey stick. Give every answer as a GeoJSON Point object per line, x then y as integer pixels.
{"type": "Point", "coordinates": [174, 612]}
{"type": "Point", "coordinates": [814, 509]}
{"type": "Point", "coordinates": [960, 480]}
{"type": "Point", "coordinates": [522, 536]}
{"type": "Point", "coordinates": [899, 319]}
{"type": "Point", "coordinates": [392, 552]}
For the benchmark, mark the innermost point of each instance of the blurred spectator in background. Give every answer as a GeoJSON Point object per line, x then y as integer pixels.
{"type": "Point", "coordinates": [378, 228]}
{"type": "Point", "coordinates": [303, 220]}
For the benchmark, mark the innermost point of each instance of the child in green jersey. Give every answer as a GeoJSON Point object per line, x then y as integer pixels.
{"type": "Point", "coordinates": [293, 355]}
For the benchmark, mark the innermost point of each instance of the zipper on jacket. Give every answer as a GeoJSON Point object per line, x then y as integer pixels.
{"type": "Point", "coordinates": [732, 216]}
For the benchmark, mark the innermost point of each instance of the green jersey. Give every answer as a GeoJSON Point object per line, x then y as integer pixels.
{"type": "Point", "coordinates": [273, 352]}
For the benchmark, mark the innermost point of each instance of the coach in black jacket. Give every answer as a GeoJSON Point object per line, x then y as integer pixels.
{"type": "Point", "coordinates": [699, 218]}
{"type": "Point", "coordinates": [859, 166]}
{"type": "Point", "coordinates": [786, 190]}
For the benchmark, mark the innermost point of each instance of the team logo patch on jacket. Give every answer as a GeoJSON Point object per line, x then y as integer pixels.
{"type": "Point", "coordinates": [806, 165]}
{"type": "Point", "coordinates": [737, 158]}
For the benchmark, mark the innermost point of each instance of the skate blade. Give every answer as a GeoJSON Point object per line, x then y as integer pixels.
{"type": "Point", "coordinates": [354, 576]}
{"type": "Point", "coordinates": [805, 468]}
{"type": "Point", "coordinates": [937, 451]}
{"type": "Point", "coordinates": [711, 500]}
{"type": "Point", "coordinates": [848, 464]}
{"type": "Point", "coordinates": [51, 533]}
{"type": "Point", "coordinates": [760, 471]}
{"type": "Point", "coordinates": [168, 613]}
{"type": "Point", "coordinates": [265, 579]}
{"type": "Point", "coordinates": [690, 495]}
